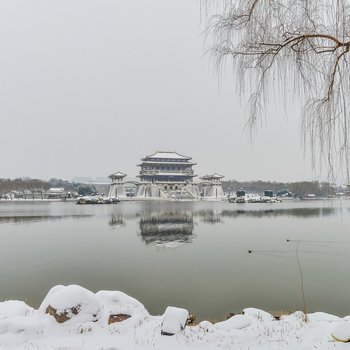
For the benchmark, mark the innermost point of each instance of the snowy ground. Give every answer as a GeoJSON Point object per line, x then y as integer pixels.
{"type": "Point", "coordinates": [22, 327]}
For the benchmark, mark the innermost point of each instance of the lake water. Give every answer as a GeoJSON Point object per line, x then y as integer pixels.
{"type": "Point", "coordinates": [187, 254]}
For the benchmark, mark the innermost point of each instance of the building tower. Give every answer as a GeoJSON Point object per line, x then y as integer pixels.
{"type": "Point", "coordinates": [212, 186]}
{"type": "Point", "coordinates": [165, 174]}
{"type": "Point", "coordinates": [116, 189]}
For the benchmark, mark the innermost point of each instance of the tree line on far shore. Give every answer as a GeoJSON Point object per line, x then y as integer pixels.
{"type": "Point", "coordinates": [36, 185]}
{"type": "Point", "coordinates": [296, 189]}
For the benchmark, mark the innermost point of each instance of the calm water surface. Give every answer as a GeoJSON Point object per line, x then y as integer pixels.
{"type": "Point", "coordinates": [188, 254]}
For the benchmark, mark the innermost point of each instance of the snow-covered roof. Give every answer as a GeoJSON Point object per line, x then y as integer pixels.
{"type": "Point", "coordinates": [168, 174]}
{"type": "Point", "coordinates": [56, 190]}
{"type": "Point", "coordinates": [156, 161]}
{"type": "Point", "coordinates": [167, 155]}
{"type": "Point", "coordinates": [117, 174]}
{"type": "Point", "coordinates": [213, 176]}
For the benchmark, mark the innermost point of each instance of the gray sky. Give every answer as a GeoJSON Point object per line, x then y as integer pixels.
{"type": "Point", "coordinates": [89, 87]}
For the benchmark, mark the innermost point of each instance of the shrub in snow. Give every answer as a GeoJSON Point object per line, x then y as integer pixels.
{"type": "Point", "coordinates": [191, 319]}
{"type": "Point", "coordinates": [174, 320]}
{"type": "Point", "coordinates": [342, 332]}
{"type": "Point", "coordinates": [235, 322]}
{"type": "Point", "coordinates": [71, 302]}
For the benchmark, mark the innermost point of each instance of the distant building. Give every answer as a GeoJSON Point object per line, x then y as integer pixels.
{"type": "Point", "coordinates": [268, 193]}
{"type": "Point", "coordinates": [167, 175]}
{"type": "Point", "coordinates": [240, 193]}
{"type": "Point", "coordinates": [170, 170]}
{"type": "Point", "coordinates": [117, 188]}
{"type": "Point", "coordinates": [212, 186]}
{"type": "Point", "coordinates": [56, 193]}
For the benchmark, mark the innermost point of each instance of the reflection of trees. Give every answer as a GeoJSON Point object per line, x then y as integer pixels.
{"type": "Point", "coordinates": [116, 220]}
{"type": "Point", "coordinates": [210, 216]}
{"type": "Point", "coordinates": [167, 227]}
{"type": "Point", "coordinates": [294, 212]}
{"type": "Point", "coordinates": [25, 219]}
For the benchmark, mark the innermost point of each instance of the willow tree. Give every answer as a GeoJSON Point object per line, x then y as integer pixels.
{"type": "Point", "coordinates": [291, 47]}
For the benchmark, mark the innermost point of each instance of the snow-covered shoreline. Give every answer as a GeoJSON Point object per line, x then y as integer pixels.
{"type": "Point", "coordinates": [113, 320]}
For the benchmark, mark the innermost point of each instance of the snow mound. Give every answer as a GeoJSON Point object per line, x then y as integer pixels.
{"type": "Point", "coordinates": [120, 306]}
{"type": "Point", "coordinates": [21, 324]}
{"type": "Point", "coordinates": [14, 308]}
{"type": "Point", "coordinates": [235, 322]}
{"type": "Point", "coordinates": [174, 320]}
{"type": "Point", "coordinates": [297, 316]}
{"type": "Point", "coordinates": [206, 326]}
{"type": "Point", "coordinates": [114, 302]}
{"type": "Point", "coordinates": [260, 315]}
{"type": "Point", "coordinates": [342, 332]}
{"type": "Point", "coordinates": [72, 303]}
{"type": "Point", "coordinates": [22, 327]}
{"type": "Point", "coordinates": [322, 316]}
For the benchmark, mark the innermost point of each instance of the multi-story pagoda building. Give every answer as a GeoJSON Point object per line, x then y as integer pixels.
{"type": "Point", "coordinates": [167, 173]}
{"type": "Point", "coordinates": [170, 170]}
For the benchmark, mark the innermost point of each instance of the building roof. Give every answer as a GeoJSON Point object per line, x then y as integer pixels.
{"type": "Point", "coordinates": [117, 174]}
{"type": "Point", "coordinates": [156, 161]}
{"type": "Point", "coordinates": [167, 174]}
{"type": "Point", "coordinates": [167, 155]}
{"type": "Point", "coordinates": [212, 176]}
{"type": "Point", "coordinates": [56, 190]}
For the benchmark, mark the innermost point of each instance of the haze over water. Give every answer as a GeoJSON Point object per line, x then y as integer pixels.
{"type": "Point", "coordinates": [187, 254]}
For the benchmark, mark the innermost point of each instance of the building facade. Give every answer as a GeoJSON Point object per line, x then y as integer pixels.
{"type": "Point", "coordinates": [212, 186]}
{"type": "Point", "coordinates": [117, 188]}
{"type": "Point", "coordinates": [171, 171]}
{"type": "Point", "coordinates": [167, 175]}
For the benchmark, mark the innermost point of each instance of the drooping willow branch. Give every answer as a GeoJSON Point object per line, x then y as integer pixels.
{"type": "Point", "coordinates": [299, 45]}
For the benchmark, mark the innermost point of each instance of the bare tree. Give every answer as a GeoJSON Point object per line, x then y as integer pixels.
{"type": "Point", "coordinates": [284, 46]}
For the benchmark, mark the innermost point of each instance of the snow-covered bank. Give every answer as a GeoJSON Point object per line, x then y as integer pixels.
{"type": "Point", "coordinates": [74, 318]}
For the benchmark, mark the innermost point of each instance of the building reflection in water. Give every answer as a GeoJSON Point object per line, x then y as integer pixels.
{"type": "Point", "coordinates": [168, 229]}
{"type": "Point", "coordinates": [116, 220]}
{"type": "Point", "coordinates": [210, 216]}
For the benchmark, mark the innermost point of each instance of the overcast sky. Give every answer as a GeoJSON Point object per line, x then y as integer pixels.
{"type": "Point", "coordinates": [90, 87]}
